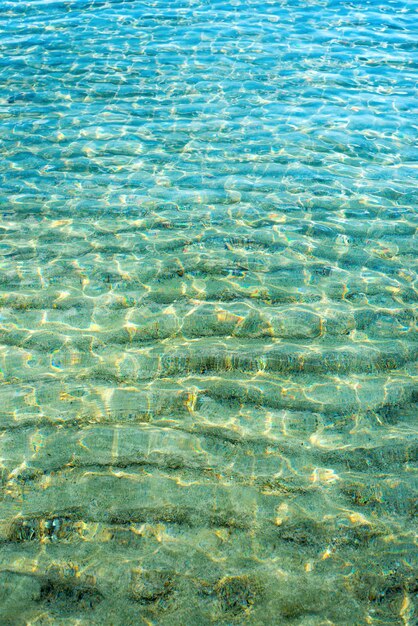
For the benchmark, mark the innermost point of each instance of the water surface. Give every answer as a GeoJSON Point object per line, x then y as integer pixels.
{"type": "Point", "coordinates": [208, 297]}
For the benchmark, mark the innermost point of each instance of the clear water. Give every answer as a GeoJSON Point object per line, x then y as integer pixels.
{"type": "Point", "coordinates": [208, 312]}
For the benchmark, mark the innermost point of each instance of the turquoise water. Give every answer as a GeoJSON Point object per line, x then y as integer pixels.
{"type": "Point", "coordinates": [208, 289]}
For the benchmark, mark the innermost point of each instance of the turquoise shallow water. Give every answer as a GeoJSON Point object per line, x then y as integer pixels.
{"type": "Point", "coordinates": [208, 296]}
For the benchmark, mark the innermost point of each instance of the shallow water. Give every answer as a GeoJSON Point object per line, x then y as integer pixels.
{"type": "Point", "coordinates": [208, 312]}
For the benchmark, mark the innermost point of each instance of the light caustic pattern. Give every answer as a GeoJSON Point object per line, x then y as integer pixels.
{"type": "Point", "coordinates": [208, 296]}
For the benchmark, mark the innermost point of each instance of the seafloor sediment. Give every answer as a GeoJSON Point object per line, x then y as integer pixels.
{"type": "Point", "coordinates": [208, 298]}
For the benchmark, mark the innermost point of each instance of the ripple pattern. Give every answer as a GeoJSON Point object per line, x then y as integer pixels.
{"type": "Point", "coordinates": [208, 312]}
